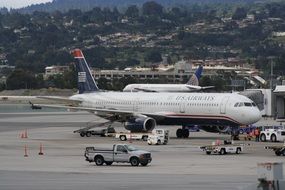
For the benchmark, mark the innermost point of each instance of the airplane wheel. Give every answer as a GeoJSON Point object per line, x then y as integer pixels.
{"type": "Point", "coordinates": [179, 133]}
{"type": "Point", "coordinates": [185, 133]}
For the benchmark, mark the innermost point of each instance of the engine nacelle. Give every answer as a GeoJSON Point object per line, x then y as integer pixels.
{"type": "Point", "coordinates": [216, 129]}
{"type": "Point", "coordinates": [140, 124]}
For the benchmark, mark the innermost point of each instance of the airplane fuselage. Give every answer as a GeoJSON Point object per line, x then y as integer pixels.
{"type": "Point", "coordinates": [179, 108]}
{"type": "Point", "coordinates": [161, 88]}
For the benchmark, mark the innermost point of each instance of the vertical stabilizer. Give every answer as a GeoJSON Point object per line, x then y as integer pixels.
{"type": "Point", "coordinates": [86, 82]}
{"type": "Point", "coordinates": [194, 80]}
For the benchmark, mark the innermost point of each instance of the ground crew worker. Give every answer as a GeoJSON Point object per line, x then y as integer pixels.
{"type": "Point", "coordinates": [256, 133]}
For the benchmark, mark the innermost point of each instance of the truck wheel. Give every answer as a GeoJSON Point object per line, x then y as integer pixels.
{"type": "Point", "coordinates": [283, 152]}
{"type": "Point", "coordinates": [82, 134]}
{"type": "Point", "coordinates": [144, 138]}
{"type": "Point", "coordinates": [88, 134]}
{"type": "Point", "coordinates": [158, 142]}
{"type": "Point", "coordinates": [262, 138]}
{"type": "Point", "coordinates": [273, 138]}
{"type": "Point", "coordinates": [238, 150]}
{"type": "Point", "coordinates": [277, 153]}
{"type": "Point", "coordinates": [179, 133]}
{"type": "Point", "coordinates": [123, 138]}
{"type": "Point", "coordinates": [144, 163]}
{"type": "Point", "coordinates": [99, 160]}
{"type": "Point", "coordinates": [208, 152]}
{"type": "Point", "coordinates": [135, 161]}
{"type": "Point", "coordinates": [108, 163]}
{"type": "Point", "coordinates": [222, 151]}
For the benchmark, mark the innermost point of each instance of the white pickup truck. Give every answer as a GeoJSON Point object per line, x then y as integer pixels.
{"type": "Point", "coordinates": [119, 153]}
{"type": "Point", "coordinates": [223, 148]}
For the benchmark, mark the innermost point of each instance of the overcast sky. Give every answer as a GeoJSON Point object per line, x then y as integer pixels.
{"type": "Point", "coordinates": [20, 3]}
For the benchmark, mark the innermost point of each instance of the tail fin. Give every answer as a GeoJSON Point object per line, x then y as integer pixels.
{"type": "Point", "coordinates": [194, 80]}
{"type": "Point", "coordinates": [86, 82]}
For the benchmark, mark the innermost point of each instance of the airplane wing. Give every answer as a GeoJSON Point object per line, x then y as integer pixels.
{"type": "Point", "coordinates": [197, 88]}
{"type": "Point", "coordinates": [119, 115]}
{"type": "Point", "coordinates": [61, 99]}
{"type": "Point", "coordinates": [145, 90]}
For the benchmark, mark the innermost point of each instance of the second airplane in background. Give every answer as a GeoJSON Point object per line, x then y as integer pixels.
{"type": "Point", "coordinates": [191, 86]}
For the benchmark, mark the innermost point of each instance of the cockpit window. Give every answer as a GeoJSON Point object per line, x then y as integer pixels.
{"type": "Point", "coordinates": [236, 104]}
{"type": "Point", "coordinates": [240, 104]}
{"type": "Point", "coordinates": [253, 104]}
{"type": "Point", "coordinates": [247, 104]}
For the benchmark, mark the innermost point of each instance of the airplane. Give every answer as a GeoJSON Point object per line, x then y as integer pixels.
{"type": "Point", "coordinates": [141, 111]}
{"type": "Point", "coordinates": [191, 86]}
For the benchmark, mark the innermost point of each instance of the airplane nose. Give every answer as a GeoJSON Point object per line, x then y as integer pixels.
{"type": "Point", "coordinates": [255, 115]}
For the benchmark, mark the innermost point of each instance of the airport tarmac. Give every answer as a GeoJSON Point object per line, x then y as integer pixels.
{"type": "Point", "coordinates": [178, 165]}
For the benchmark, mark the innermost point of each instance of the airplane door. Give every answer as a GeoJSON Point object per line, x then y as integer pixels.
{"type": "Point", "coordinates": [136, 105]}
{"type": "Point", "coordinates": [182, 107]}
{"type": "Point", "coordinates": [224, 104]}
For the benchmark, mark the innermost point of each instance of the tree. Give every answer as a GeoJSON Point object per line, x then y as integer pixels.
{"type": "Point", "coordinates": [153, 57]}
{"type": "Point", "coordinates": [21, 79]}
{"type": "Point", "coordinates": [152, 8]}
{"type": "Point", "coordinates": [132, 11]}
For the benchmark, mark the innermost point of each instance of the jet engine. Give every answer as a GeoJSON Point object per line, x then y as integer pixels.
{"type": "Point", "coordinates": [140, 124]}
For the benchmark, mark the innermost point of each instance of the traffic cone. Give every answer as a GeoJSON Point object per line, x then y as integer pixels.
{"type": "Point", "coordinates": [26, 151]}
{"type": "Point", "coordinates": [22, 135]}
{"type": "Point", "coordinates": [41, 149]}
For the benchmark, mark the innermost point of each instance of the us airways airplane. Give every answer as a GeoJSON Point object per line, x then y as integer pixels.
{"type": "Point", "coordinates": [190, 86]}
{"type": "Point", "coordinates": [143, 111]}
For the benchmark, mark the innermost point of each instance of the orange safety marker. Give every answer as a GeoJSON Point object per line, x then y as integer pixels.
{"type": "Point", "coordinates": [41, 149]}
{"type": "Point", "coordinates": [26, 151]}
{"type": "Point", "coordinates": [22, 135]}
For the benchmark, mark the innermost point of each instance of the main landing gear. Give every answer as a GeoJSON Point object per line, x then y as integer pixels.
{"type": "Point", "coordinates": [182, 133]}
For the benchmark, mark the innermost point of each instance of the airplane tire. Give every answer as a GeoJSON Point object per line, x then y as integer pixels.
{"type": "Point", "coordinates": [185, 133]}
{"type": "Point", "coordinates": [179, 133]}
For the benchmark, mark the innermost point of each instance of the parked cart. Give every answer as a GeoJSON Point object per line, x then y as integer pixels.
{"type": "Point", "coordinates": [226, 147]}
{"type": "Point", "coordinates": [278, 149]}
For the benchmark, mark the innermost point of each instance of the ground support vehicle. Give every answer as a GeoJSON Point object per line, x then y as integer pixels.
{"type": "Point", "coordinates": [279, 150]}
{"type": "Point", "coordinates": [123, 136]}
{"type": "Point", "coordinates": [158, 136]}
{"type": "Point", "coordinates": [222, 149]}
{"type": "Point", "coordinates": [119, 153]}
{"type": "Point", "coordinates": [273, 135]}
{"type": "Point", "coordinates": [89, 130]}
